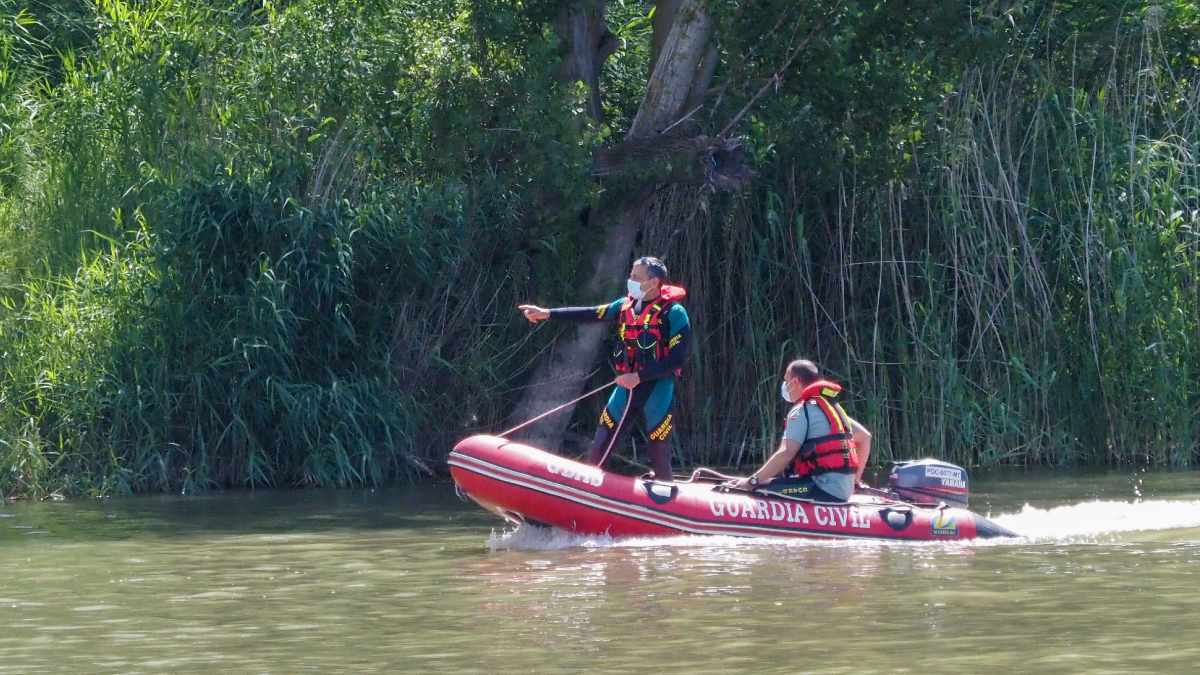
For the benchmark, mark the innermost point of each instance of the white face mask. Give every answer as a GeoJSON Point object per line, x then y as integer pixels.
{"type": "Point", "coordinates": [783, 391]}
{"type": "Point", "coordinates": [635, 289]}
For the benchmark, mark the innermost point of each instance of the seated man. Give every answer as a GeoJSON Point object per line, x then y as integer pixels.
{"type": "Point", "coordinates": [823, 452]}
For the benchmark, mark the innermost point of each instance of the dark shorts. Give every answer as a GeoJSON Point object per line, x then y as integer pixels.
{"type": "Point", "coordinates": [798, 488]}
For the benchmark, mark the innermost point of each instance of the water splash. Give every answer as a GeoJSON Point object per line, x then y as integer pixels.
{"type": "Point", "coordinates": [1074, 523]}
{"type": "Point", "coordinates": [537, 538]}
{"type": "Point", "coordinates": [1101, 517]}
{"type": "Point", "coordinates": [527, 537]}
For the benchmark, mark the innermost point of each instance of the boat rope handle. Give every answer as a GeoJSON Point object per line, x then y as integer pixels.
{"type": "Point", "coordinates": [702, 472]}
{"type": "Point", "coordinates": [526, 423]}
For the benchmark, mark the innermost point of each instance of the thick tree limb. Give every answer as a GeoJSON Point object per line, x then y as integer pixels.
{"type": "Point", "coordinates": [581, 26]}
{"type": "Point", "coordinates": [664, 18]}
{"type": "Point", "coordinates": [704, 76]}
{"type": "Point", "coordinates": [715, 163]}
{"type": "Point", "coordinates": [674, 70]}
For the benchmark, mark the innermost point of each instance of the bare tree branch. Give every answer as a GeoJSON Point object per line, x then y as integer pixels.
{"type": "Point", "coordinates": [777, 77]}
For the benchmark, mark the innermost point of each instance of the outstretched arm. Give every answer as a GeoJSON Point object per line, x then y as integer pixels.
{"type": "Point", "coordinates": [608, 312]}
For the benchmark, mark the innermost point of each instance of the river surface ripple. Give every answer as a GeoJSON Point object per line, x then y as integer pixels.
{"type": "Point", "coordinates": [1104, 580]}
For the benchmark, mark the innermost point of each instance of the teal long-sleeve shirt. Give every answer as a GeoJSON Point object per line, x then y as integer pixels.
{"type": "Point", "coordinates": [676, 327]}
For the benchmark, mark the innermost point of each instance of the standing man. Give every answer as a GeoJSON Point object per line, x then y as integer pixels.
{"type": "Point", "coordinates": [655, 339]}
{"type": "Point", "coordinates": [824, 451]}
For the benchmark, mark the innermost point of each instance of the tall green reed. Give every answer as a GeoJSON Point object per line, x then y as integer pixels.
{"type": "Point", "coordinates": [1024, 294]}
{"type": "Point", "coordinates": [279, 282]}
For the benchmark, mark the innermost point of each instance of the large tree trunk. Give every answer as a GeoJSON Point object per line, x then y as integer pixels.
{"type": "Point", "coordinates": [581, 26]}
{"type": "Point", "coordinates": [704, 76]}
{"type": "Point", "coordinates": [675, 69]}
{"type": "Point", "coordinates": [664, 16]}
{"type": "Point", "coordinates": [560, 377]}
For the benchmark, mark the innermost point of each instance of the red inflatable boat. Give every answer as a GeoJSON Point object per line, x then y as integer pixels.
{"type": "Point", "coordinates": [524, 484]}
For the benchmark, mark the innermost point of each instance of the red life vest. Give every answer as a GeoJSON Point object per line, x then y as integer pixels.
{"type": "Point", "coordinates": [642, 335]}
{"type": "Point", "coordinates": [835, 452]}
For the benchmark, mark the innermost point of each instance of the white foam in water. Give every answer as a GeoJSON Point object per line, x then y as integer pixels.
{"type": "Point", "coordinates": [534, 538]}
{"type": "Point", "coordinates": [1100, 517]}
{"type": "Point", "coordinates": [1061, 523]}
{"type": "Point", "coordinates": [531, 538]}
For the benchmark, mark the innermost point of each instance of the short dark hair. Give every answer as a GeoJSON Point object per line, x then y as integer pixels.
{"type": "Point", "coordinates": [654, 267]}
{"type": "Point", "coordinates": [804, 370]}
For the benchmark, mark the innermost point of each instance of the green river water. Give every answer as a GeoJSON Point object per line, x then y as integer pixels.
{"type": "Point", "coordinates": [1105, 580]}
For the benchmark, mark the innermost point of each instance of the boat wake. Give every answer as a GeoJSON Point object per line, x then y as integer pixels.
{"type": "Point", "coordinates": [1075, 523]}
{"type": "Point", "coordinates": [1097, 518]}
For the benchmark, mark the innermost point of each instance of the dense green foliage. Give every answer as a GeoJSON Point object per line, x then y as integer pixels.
{"type": "Point", "coordinates": [249, 243]}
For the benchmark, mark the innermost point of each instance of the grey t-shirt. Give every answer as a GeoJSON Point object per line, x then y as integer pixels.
{"type": "Point", "coordinates": [801, 427]}
{"type": "Point", "coordinates": [798, 423]}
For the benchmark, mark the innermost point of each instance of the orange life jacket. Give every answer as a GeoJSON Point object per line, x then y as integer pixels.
{"type": "Point", "coordinates": [642, 336]}
{"type": "Point", "coordinates": [835, 452]}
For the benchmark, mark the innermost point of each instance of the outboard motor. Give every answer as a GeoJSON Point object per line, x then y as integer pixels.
{"type": "Point", "coordinates": [928, 482]}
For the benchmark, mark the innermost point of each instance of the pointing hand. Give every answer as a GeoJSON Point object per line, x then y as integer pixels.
{"type": "Point", "coordinates": [534, 313]}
